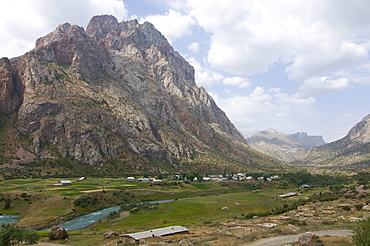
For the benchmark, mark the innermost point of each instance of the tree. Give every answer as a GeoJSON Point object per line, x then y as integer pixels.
{"type": "Point", "coordinates": [190, 176]}
{"type": "Point", "coordinates": [361, 235]}
{"type": "Point", "coordinates": [12, 235]}
{"type": "Point", "coordinates": [7, 204]}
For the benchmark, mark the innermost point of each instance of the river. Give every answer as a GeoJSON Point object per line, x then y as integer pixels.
{"type": "Point", "coordinates": [8, 219]}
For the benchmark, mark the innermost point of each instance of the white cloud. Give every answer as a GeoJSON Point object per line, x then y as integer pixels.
{"type": "Point", "coordinates": [314, 37]}
{"type": "Point", "coordinates": [327, 59]}
{"type": "Point", "coordinates": [263, 109]}
{"type": "Point", "coordinates": [23, 21]}
{"type": "Point", "coordinates": [194, 47]}
{"type": "Point", "coordinates": [323, 85]}
{"type": "Point", "coordinates": [172, 25]}
{"type": "Point", "coordinates": [237, 81]}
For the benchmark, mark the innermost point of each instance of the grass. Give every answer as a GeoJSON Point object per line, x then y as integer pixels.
{"type": "Point", "coordinates": [194, 211]}
{"type": "Point", "coordinates": [201, 186]}
{"type": "Point", "coordinates": [336, 241]}
{"type": "Point", "coordinates": [48, 202]}
{"type": "Point", "coordinates": [41, 194]}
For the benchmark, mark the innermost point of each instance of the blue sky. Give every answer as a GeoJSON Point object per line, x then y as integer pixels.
{"type": "Point", "coordinates": [290, 65]}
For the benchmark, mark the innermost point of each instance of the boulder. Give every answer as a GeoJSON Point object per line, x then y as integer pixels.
{"type": "Point", "coordinates": [307, 239]}
{"type": "Point", "coordinates": [344, 190]}
{"type": "Point", "coordinates": [110, 234]}
{"type": "Point", "coordinates": [58, 232]}
{"type": "Point", "coordinates": [290, 228]}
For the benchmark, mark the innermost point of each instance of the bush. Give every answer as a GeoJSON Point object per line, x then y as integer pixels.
{"type": "Point", "coordinates": [113, 215]}
{"type": "Point", "coordinates": [86, 201]}
{"type": "Point", "coordinates": [358, 206]}
{"type": "Point", "coordinates": [361, 235]}
{"type": "Point", "coordinates": [12, 235]}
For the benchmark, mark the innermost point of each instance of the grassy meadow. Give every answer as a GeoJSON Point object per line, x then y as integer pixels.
{"type": "Point", "coordinates": [38, 201]}
{"type": "Point", "coordinates": [40, 204]}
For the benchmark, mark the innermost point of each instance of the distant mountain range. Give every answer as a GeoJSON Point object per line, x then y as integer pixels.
{"type": "Point", "coordinates": [286, 147]}
{"type": "Point", "coordinates": [349, 153]}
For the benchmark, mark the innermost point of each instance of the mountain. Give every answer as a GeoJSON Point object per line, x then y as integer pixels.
{"type": "Point", "coordinates": [286, 147]}
{"type": "Point", "coordinates": [115, 95]}
{"type": "Point", "coordinates": [349, 153]}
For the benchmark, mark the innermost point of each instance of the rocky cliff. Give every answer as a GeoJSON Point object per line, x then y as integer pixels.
{"type": "Point", "coordinates": [11, 89]}
{"type": "Point", "coordinates": [118, 91]}
{"type": "Point", "coordinates": [286, 147]}
{"type": "Point", "coordinates": [349, 153]}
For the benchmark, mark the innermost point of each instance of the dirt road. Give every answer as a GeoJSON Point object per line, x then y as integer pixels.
{"type": "Point", "coordinates": [50, 244]}
{"type": "Point", "coordinates": [282, 240]}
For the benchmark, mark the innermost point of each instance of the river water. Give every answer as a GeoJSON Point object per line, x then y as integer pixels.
{"type": "Point", "coordinates": [8, 219]}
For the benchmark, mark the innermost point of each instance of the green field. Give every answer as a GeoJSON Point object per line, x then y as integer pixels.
{"type": "Point", "coordinates": [29, 196]}
{"type": "Point", "coordinates": [38, 202]}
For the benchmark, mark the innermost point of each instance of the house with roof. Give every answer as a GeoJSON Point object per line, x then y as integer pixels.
{"type": "Point", "coordinates": [134, 238]}
{"type": "Point", "coordinates": [81, 179]}
{"type": "Point", "coordinates": [288, 195]}
{"type": "Point", "coordinates": [63, 183]}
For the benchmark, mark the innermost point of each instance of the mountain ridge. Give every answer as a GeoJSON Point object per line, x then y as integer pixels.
{"type": "Point", "coordinates": [350, 152]}
{"type": "Point", "coordinates": [119, 90]}
{"type": "Point", "coordinates": [286, 147]}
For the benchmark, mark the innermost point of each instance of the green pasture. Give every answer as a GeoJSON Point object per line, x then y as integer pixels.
{"type": "Point", "coordinates": [39, 201]}
{"type": "Point", "coordinates": [197, 211]}
{"type": "Point", "coordinates": [201, 186]}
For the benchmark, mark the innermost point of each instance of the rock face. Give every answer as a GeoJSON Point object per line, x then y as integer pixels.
{"type": "Point", "coordinates": [349, 153]}
{"type": "Point", "coordinates": [10, 88]}
{"type": "Point", "coordinates": [117, 91]}
{"type": "Point", "coordinates": [283, 146]}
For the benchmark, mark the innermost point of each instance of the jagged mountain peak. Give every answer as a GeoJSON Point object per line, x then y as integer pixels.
{"type": "Point", "coordinates": [100, 26]}
{"type": "Point", "coordinates": [283, 146]}
{"type": "Point", "coordinates": [119, 91]}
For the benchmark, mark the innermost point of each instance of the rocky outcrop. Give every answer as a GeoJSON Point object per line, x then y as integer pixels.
{"type": "Point", "coordinates": [116, 91]}
{"type": "Point", "coordinates": [10, 89]}
{"type": "Point", "coordinates": [286, 147]}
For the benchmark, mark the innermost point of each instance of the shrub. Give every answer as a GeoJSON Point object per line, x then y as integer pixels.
{"type": "Point", "coordinates": [12, 235]}
{"type": "Point", "coordinates": [113, 215]}
{"type": "Point", "coordinates": [361, 235]}
{"type": "Point", "coordinates": [86, 201]}
{"type": "Point", "coordinates": [358, 206]}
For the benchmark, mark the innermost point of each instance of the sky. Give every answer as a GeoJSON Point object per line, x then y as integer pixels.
{"type": "Point", "coordinates": [289, 65]}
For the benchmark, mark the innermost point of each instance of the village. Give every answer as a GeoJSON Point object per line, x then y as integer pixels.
{"type": "Point", "coordinates": [291, 222]}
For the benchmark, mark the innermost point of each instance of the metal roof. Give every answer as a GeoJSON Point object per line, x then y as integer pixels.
{"type": "Point", "coordinates": [65, 181]}
{"type": "Point", "coordinates": [288, 195]}
{"type": "Point", "coordinates": [157, 232]}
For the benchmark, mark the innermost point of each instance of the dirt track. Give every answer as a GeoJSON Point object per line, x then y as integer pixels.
{"type": "Point", "coordinates": [282, 240]}
{"type": "Point", "coordinates": [50, 244]}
